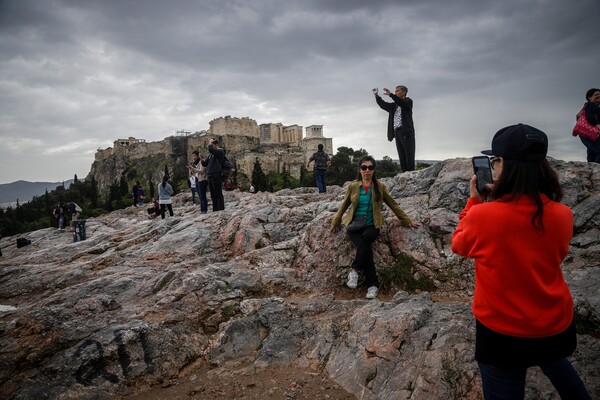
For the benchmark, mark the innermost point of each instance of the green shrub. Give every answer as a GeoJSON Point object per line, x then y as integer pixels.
{"type": "Point", "coordinates": [401, 275]}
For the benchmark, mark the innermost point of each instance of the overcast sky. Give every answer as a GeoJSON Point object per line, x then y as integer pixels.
{"type": "Point", "coordinates": [77, 75]}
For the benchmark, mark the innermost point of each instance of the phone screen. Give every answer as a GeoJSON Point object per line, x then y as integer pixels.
{"type": "Point", "coordinates": [483, 171]}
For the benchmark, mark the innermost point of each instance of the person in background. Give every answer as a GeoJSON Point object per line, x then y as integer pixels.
{"type": "Point", "coordinates": [365, 197]}
{"type": "Point", "coordinates": [519, 236]}
{"type": "Point", "coordinates": [59, 215]}
{"type": "Point", "coordinates": [252, 189]}
{"type": "Point", "coordinates": [322, 161]}
{"type": "Point", "coordinates": [400, 124]}
{"type": "Point", "coordinates": [165, 191]}
{"type": "Point", "coordinates": [192, 185]}
{"type": "Point", "coordinates": [154, 210]}
{"type": "Point", "coordinates": [592, 115]}
{"type": "Point", "coordinates": [214, 171]}
{"type": "Point", "coordinates": [74, 211]}
{"type": "Point", "coordinates": [136, 193]}
{"type": "Point", "coordinates": [201, 182]}
{"type": "Point", "coordinates": [141, 195]}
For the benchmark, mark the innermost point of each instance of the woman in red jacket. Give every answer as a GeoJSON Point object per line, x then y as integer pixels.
{"type": "Point", "coordinates": [522, 304]}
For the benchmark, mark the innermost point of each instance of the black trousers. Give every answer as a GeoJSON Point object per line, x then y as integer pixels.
{"type": "Point", "coordinates": [363, 261]}
{"type": "Point", "coordinates": [162, 210]}
{"type": "Point", "coordinates": [405, 144]}
{"type": "Point", "coordinates": [216, 192]}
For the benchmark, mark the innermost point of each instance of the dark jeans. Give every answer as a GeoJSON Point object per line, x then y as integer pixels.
{"type": "Point", "coordinates": [320, 178]}
{"type": "Point", "coordinates": [505, 383]}
{"type": "Point", "coordinates": [405, 144]}
{"type": "Point", "coordinates": [593, 149]}
{"type": "Point", "coordinates": [194, 191]}
{"type": "Point", "coordinates": [202, 186]}
{"type": "Point", "coordinates": [363, 261]}
{"type": "Point", "coordinates": [216, 192]}
{"type": "Point", "coordinates": [162, 210]}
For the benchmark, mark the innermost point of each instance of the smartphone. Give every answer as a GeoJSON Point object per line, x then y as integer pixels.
{"type": "Point", "coordinates": [483, 171]}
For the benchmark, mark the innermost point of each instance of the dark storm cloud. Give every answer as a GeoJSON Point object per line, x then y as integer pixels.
{"type": "Point", "coordinates": [76, 75]}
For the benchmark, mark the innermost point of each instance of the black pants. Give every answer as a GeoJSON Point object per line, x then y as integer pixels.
{"type": "Point", "coordinates": [162, 210]}
{"type": "Point", "coordinates": [405, 144]}
{"type": "Point", "coordinates": [364, 253]}
{"type": "Point", "coordinates": [216, 192]}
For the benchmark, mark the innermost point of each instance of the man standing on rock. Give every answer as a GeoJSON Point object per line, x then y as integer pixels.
{"type": "Point", "coordinates": [322, 161]}
{"type": "Point", "coordinates": [400, 124]}
{"type": "Point", "coordinates": [214, 171]}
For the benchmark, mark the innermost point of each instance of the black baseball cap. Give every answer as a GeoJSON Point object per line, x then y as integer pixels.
{"type": "Point", "coordinates": [519, 142]}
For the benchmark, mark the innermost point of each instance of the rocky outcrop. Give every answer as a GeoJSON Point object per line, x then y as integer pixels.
{"type": "Point", "coordinates": [143, 302]}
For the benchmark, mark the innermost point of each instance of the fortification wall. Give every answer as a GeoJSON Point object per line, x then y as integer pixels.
{"type": "Point", "coordinates": [234, 126]}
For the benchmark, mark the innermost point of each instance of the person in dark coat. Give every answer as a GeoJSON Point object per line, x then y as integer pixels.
{"type": "Point", "coordinates": [400, 124]}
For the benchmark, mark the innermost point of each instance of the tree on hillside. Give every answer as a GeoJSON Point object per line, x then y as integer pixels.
{"type": "Point", "coordinates": [307, 178]}
{"type": "Point", "coordinates": [123, 187]}
{"type": "Point", "coordinates": [259, 179]}
{"type": "Point", "coordinates": [151, 188]}
{"type": "Point", "coordinates": [387, 167]}
{"type": "Point", "coordinates": [93, 193]}
{"type": "Point", "coordinates": [343, 166]}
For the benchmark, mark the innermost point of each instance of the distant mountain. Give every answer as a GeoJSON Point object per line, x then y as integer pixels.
{"type": "Point", "coordinates": [24, 191]}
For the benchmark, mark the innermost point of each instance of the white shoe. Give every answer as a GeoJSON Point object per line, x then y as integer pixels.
{"type": "Point", "coordinates": [372, 292]}
{"type": "Point", "coordinates": [352, 280]}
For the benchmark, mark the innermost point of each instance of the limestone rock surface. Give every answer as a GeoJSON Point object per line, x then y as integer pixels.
{"type": "Point", "coordinates": [143, 302]}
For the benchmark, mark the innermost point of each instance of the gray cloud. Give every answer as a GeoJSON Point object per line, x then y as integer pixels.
{"type": "Point", "coordinates": [76, 75]}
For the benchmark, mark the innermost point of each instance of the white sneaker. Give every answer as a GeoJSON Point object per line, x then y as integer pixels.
{"type": "Point", "coordinates": [372, 292]}
{"type": "Point", "coordinates": [352, 279]}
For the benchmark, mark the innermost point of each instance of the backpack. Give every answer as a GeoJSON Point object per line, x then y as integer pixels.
{"type": "Point", "coordinates": [226, 168]}
{"type": "Point", "coordinates": [22, 242]}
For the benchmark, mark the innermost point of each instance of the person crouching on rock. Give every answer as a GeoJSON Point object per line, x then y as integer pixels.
{"type": "Point", "coordinates": [154, 211]}
{"type": "Point", "coordinates": [165, 191]}
{"type": "Point", "coordinates": [365, 197]}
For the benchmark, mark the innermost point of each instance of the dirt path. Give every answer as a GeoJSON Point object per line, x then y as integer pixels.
{"type": "Point", "coordinates": [249, 383]}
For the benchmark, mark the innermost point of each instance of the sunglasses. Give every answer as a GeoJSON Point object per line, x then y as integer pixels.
{"type": "Point", "coordinates": [367, 167]}
{"type": "Point", "coordinates": [493, 161]}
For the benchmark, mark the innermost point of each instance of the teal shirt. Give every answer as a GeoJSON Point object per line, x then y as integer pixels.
{"type": "Point", "coordinates": [363, 207]}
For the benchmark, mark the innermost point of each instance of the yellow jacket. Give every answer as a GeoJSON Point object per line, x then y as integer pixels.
{"type": "Point", "coordinates": [351, 200]}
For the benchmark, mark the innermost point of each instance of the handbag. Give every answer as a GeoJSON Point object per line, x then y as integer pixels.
{"type": "Point", "coordinates": [584, 129]}
{"type": "Point", "coordinates": [359, 222]}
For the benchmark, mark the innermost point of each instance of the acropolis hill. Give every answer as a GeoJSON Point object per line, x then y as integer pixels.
{"type": "Point", "coordinates": [277, 147]}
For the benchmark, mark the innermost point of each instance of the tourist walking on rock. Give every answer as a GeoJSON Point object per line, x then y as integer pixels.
{"type": "Point", "coordinates": [592, 115]}
{"type": "Point", "coordinates": [400, 124]}
{"type": "Point", "coordinates": [199, 174]}
{"type": "Point", "coordinates": [365, 197]}
{"type": "Point", "coordinates": [165, 191]}
{"type": "Point", "coordinates": [519, 235]}
{"type": "Point", "coordinates": [214, 171]}
{"type": "Point", "coordinates": [322, 161]}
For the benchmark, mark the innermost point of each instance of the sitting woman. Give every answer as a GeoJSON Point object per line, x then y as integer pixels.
{"type": "Point", "coordinates": [365, 197]}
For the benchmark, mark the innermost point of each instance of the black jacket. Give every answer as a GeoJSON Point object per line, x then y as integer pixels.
{"type": "Point", "coordinates": [214, 162]}
{"type": "Point", "coordinates": [406, 104]}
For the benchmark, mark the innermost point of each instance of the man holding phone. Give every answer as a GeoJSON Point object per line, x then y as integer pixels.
{"type": "Point", "coordinates": [400, 124]}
